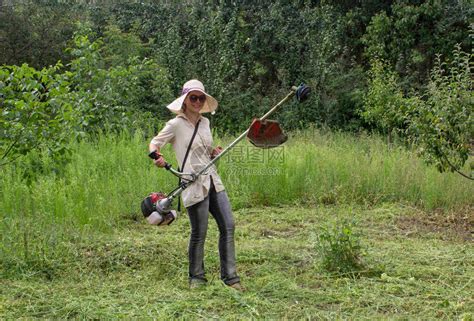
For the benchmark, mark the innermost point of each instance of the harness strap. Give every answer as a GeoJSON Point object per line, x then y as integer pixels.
{"type": "Point", "coordinates": [186, 158]}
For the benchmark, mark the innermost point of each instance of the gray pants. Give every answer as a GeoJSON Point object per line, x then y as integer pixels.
{"type": "Point", "coordinates": [219, 206]}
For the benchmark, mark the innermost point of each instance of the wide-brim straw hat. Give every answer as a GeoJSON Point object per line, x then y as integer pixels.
{"type": "Point", "coordinates": [209, 106]}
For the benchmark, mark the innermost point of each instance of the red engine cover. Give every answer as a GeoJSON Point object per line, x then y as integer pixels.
{"type": "Point", "coordinates": [155, 197]}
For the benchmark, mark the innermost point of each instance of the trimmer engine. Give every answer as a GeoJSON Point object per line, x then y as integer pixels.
{"type": "Point", "coordinates": [156, 209]}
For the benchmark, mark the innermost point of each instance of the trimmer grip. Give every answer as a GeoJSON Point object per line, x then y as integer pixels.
{"type": "Point", "coordinates": [154, 155]}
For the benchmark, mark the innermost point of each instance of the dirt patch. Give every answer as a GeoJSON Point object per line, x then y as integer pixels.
{"type": "Point", "coordinates": [454, 226]}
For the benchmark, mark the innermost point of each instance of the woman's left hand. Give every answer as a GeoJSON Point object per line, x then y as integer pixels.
{"type": "Point", "coordinates": [216, 151]}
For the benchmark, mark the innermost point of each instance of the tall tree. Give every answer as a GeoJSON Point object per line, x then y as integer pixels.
{"type": "Point", "coordinates": [36, 32]}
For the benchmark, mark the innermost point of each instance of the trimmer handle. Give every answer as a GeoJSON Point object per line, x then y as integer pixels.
{"type": "Point", "coordinates": [155, 155]}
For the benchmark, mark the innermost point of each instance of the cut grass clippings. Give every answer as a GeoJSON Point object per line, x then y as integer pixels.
{"type": "Point", "coordinates": [140, 271]}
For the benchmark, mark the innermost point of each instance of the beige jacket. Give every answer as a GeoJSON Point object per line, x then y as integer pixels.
{"type": "Point", "coordinates": [178, 132]}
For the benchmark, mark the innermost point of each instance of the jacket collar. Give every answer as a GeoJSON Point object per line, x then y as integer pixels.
{"type": "Point", "coordinates": [183, 115]}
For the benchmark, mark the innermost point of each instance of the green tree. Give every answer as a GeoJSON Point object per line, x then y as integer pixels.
{"type": "Point", "coordinates": [384, 103]}
{"type": "Point", "coordinates": [250, 52]}
{"type": "Point", "coordinates": [442, 124]}
{"type": "Point", "coordinates": [409, 34]}
{"type": "Point", "coordinates": [36, 113]}
{"type": "Point", "coordinates": [439, 122]}
{"type": "Point", "coordinates": [113, 82]}
{"type": "Point", "coordinates": [36, 32]}
{"type": "Point", "coordinates": [106, 87]}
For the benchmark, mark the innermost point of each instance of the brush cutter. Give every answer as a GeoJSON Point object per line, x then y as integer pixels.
{"type": "Point", "coordinates": [262, 133]}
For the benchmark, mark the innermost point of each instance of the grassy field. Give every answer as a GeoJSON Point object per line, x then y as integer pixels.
{"type": "Point", "coordinates": [413, 271]}
{"type": "Point", "coordinates": [74, 244]}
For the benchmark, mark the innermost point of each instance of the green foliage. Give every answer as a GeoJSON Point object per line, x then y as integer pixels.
{"type": "Point", "coordinates": [384, 102]}
{"type": "Point", "coordinates": [442, 125]}
{"type": "Point", "coordinates": [246, 53]}
{"type": "Point", "coordinates": [376, 36]}
{"type": "Point", "coordinates": [113, 84]}
{"type": "Point", "coordinates": [439, 122]}
{"type": "Point", "coordinates": [409, 34]}
{"type": "Point", "coordinates": [249, 54]}
{"type": "Point", "coordinates": [106, 87]}
{"type": "Point", "coordinates": [36, 115]}
{"type": "Point", "coordinates": [340, 248]}
{"type": "Point", "coordinates": [36, 32]}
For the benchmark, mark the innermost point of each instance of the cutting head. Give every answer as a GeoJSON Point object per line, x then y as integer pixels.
{"type": "Point", "coordinates": [266, 133]}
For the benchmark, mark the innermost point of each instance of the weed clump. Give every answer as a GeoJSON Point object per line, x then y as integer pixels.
{"type": "Point", "coordinates": [340, 248]}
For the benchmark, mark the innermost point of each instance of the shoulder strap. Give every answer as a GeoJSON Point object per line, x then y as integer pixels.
{"type": "Point", "coordinates": [186, 158]}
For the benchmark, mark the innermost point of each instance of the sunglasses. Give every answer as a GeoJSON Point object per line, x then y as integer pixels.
{"type": "Point", "coordinates": [194, 98]}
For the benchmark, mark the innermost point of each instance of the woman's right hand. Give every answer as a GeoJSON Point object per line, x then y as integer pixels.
{"type": "Point", "coordinates": [160, 162]}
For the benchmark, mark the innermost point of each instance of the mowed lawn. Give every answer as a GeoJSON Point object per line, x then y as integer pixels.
{"type": "Point", "coordinates": [417, 265]}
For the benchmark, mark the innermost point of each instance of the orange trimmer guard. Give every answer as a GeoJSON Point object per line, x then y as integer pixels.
{"type": "Point", "coordinates": [266, 133]}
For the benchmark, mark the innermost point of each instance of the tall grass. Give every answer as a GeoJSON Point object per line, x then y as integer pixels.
{"type": "Point", "coordinates": [340, 168]}
{"type": "Point", "coordinates": [103, 185]}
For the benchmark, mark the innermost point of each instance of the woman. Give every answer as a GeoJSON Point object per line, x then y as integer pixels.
{"type": "Point", "coordinates": [207, 193]}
